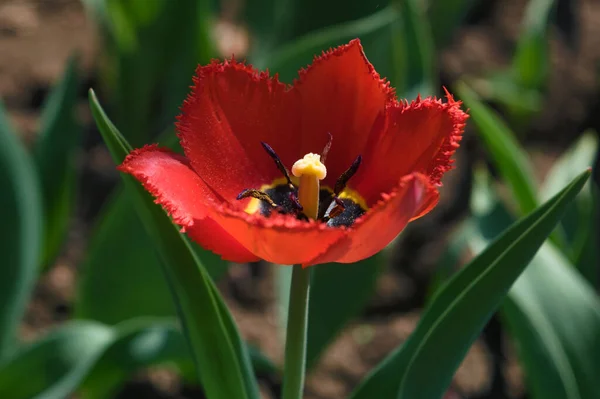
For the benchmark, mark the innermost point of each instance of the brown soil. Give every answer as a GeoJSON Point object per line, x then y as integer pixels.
{"type": "Point", "coordinates": [36, 39]}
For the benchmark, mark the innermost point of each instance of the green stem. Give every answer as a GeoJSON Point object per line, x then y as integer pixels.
{"type": "Point", "coordinates": [295, 341]}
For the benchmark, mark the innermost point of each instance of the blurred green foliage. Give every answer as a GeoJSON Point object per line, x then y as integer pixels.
{"type": "Point", "coordinates": [139, 271]}
{"type": "Point", "coordinates": [21, 233]}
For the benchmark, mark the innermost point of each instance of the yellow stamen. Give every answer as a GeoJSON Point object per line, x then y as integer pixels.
{"type": "Point", "coordinates": [310, 170]}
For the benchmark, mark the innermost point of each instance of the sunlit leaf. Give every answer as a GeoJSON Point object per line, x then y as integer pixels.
{"type": "Point", "coordinates": [136, 344]}
{"type": "Point", "coordinates": [458, 312]}
{"type": "Point", "coordinates": [54, 366]}
{"type": "Point", "coordinates": [96, 359]}
{"type": "Point", "coordinates": [552, 312]}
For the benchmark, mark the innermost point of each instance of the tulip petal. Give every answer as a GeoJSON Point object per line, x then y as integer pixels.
{"type": "Point", "coordinates": [417, 137]}
{"type": "Point", "coordinates": [280, 239]}
{"type": "Point", "coordinates": [342, 94]}
{"type": "Point", "coordinates": [413, 197]}
{"type": "Point", "coordinates": [169, 178]}
{"type": "Point", "coordinates": [231, 109]}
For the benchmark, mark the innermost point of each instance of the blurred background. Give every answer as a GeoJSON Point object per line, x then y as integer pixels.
{"type": "Point", "coordinates": [528, 69]}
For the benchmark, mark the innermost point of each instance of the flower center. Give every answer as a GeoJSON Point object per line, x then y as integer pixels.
{"type": "Point", "coordinates": [302, 196]}
{"type": "Point", "coordinates": [310, 170]}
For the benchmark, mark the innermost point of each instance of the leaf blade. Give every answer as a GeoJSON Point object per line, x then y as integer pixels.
{"type": "Point", "coordinates": [550, 292]}
{"type": "Point", "coordinates": [20, 232]}
{"type": "Point", "coordinates": [221, 358]}
{"type": "Point", "coordinates": [54, 154]}
{"type": "Point", "coordinates": [501, 144]}
{"type": "Point", "coordinates": [472, 294]}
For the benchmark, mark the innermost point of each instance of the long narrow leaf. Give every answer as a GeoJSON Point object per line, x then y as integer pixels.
{"type": "Point", "coordinates": [277, 22]}
{"type": "Point", "coordinates": [375, 32]}
{"type": "Point", "coordinates": [531, 62]}
{"type": "Point", "coordinates": [552, 312]}
{"type": "Point", "coordinates": [458, 312]}
{"type": "Point", "coordinates": [510, 159]}
{"type": "Point", "coordinates": [554, 315]}
{"type": "Point", "coordinates": [117, 256]}
{"type": "Point", "coordinates": [96, 360]}
{"type": "Point", "coordinates": [54, 155]}
{"type": "Point", "coordinates": [397, 41]}
{"type": "Point", "coordinates": [54, 366]}
{"type": "Point", "coordinates": [221, 357]}
{"type": "Point", "coordinates": [20, 232]}
{"type": "Point", "coordinates": [413, 45]}
{"type": "Point", "coordinates": [580, 234]}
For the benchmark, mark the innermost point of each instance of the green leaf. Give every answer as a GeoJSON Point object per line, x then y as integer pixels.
{"type": "Point", "coordinates": [579, 156]}
{"type": "Point", "coordinates": [141, 343]}
{"type": "Point", "coordinates": [395, 40]}
{"type": "Point", "coordinates": [508, 156]}
{"type": "Point", "coordinates": [54, 156]}
{"type": "Point", "coordinates": [554, 317]}
{"type": "Point", "coordinates": [283, 285]}
{"type": "Point", "coordinates": [446, 16]}
{"type": "Point", "coordinates": [338, 293]}
{"type": "Point", "coordinates": [54, 366]}
{"type": "Point", "coordinates": [275, 22]}
{"type": "Point", "coordinates": [221, 358]}
{"type": "Point", "coordinates": [520, 102]}
{"type": "Point", "coordinates": [20, 232]}
{"type": "Point", "coordinates": [137, 344]}
{"type": "Point", "coordinates": [459, 311]}
{"type": "Point", "coordinates": [448, 261]}
{"type": "Point", "coordinates": [580, 234]}
{"type": "Point", "coordinates": [413, 46]}
{"type": "Point", "coordinates": [153, 48]}
{"type": "Point", "coordinates": [375, 32]}
{"type": "Point", "coordinates": [119, 262]}
{"type": "Point", "coordinates": [553, 313]}
{"type": "Point", "coordinates": [97, 360]}
{"type": "Point", "coordinates": [531, 64]}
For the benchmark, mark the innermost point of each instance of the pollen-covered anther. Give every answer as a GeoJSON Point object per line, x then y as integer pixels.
{"type": "Point", "coordinates": [310, 170]}
{"type": "Point", "coordinates": [310, 165]}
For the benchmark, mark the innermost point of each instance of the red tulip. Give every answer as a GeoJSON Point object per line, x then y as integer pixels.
{"type": "Point", "coordinates": [380, 165]}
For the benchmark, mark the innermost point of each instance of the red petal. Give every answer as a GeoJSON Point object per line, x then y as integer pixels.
{"type": "Point", "coordinates": [340, 94]}
{"type": "Point", "coordinates": [416, 137]}
{"type": "Point", "coordinates": [280, 239]}
{"type": "Point", "coordinates": [414, 196]}
{"type": "Point", "coordinates": [231, 109]}
{"type": "Point", "coordinates": [185, 196]}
